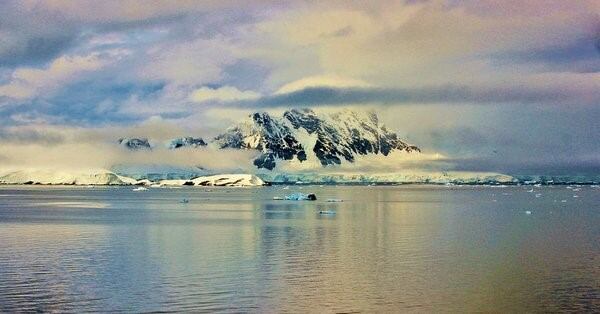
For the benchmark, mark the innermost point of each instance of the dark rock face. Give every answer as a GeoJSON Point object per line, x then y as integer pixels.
{"type": "Point", "coordinates": [187, 142]}
{"type": "Point", "coordinates": [346, 134]}
{"type": "Point", "coordinates": [135, 143]}
{"type": "Point", "coordinates": [263, 133]}
{"type": "Point", "coordinates": [339, 137]}
{"type": "Point", "coordinates": [298, 135]}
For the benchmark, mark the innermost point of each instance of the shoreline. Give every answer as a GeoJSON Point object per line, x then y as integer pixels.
{"type": "Point", "coordinates": [507, 184]}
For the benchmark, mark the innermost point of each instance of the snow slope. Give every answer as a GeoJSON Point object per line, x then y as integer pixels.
{"type": "Point", "coordinates": [304, 135]}
{"type": "Point", "coordinates": [79, 177]}
{"type": "Point", "coordinates": [105, 177]}
{"type": "Point", "coordinates": [219, 180]}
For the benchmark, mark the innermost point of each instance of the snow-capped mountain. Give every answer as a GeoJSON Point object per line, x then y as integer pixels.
{"type": "Point", "coordinates": [274, 138]}
{"type": "Point", "coordinates": [303, 134]}
{"type": "Point", "coordinates": [135, 143]}
{"type": "Point", "coordinates": [187, 141]}
{"type": "Point", "coordinates": [300, 135]}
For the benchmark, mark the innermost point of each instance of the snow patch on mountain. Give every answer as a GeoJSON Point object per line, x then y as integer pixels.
{"type": "Point", "coordinates": [304, 135]}
{"type": "Point", "coordinates": [135, 143]}
{"type": "Point", "coordinates": [188, 141]}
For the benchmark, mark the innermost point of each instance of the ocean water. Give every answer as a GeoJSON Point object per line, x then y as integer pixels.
{"type": "Point", "coordinates": [385, 249]}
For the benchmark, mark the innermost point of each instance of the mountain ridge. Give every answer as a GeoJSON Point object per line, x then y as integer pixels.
{"type": "Point", "coordinates": [302, 134]}
{"type": "Point", "coordinates": [299, 135]}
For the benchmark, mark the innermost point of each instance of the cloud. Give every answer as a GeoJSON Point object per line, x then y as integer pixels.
{"type": "Point", "coordinates": [54, 147]}
{"type": "Point", "coordinates": [31, 82]}
{"type": "Point", "coordinates": [222, 94]}
{"type": "Point", "coordinates": [106, 155]}
{"type": "Point", "coordinates": [321, 81]}
{"type": "Point", "coordinates": [30, 37]}
{"type": "Point", "coordinates": [189, 62]}
{"type": "Point", "coordinates": [315, 96]}
{"type": "Point", "coordinates": [479, 62]}
{"type": "Point", "coordinates": [395, 162]}
{"type": "Point", "coordinates": [29, 136]}
{"type": "Point", "coordinates": [581, 55]}
{"type": "Point", "coordinates": [395, 43]}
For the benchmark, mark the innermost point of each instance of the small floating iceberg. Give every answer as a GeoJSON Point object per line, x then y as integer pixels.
{"type": "Point", "coordinates": [301, 197]}
{"type": "Point", "coordinates": [278, 198]}
{"type": "Point", "coordinates": [327, 212]}
{"type": "Point", "coordinates": [141, 188]}
{"type": "Point", "coordinates": [527, 212]}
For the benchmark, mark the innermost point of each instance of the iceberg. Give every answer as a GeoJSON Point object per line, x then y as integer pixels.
{"type": "Point", "coordinates": [301, 197]}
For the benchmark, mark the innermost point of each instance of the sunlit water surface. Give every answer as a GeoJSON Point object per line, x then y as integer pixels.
{"type": "Point", "coordinates": [386, 249]}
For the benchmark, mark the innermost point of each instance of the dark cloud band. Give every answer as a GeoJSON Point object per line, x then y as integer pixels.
{"type": "Point", "coordinates": [314, 96]}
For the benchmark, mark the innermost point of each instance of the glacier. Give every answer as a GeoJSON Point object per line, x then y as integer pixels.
{"type": "Point", "coordinates": [433, 177]}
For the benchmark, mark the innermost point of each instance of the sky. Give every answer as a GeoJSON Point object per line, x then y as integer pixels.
{"type": "Point", "coordinates": [494, 85]}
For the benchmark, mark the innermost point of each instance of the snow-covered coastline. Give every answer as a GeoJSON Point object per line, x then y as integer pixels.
{"type": "Point", "coordinates": [64, 177]}
{"type": "Point", "coordinates": [105, 177]}
{"type": "Point", "coordinates": [420, 177]}
{"type": "Point", "coordinates": [218, 180]}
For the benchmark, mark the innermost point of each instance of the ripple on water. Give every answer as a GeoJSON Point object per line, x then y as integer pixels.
{"type": "Point", "coordinates": [392, 249]}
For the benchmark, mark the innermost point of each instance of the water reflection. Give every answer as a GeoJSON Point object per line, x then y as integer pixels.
{"type": "Point", "coordinates": [385, 249]}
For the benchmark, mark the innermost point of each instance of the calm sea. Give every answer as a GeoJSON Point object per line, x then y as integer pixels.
{"type": "Point", "coordinates": [383, 249]}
